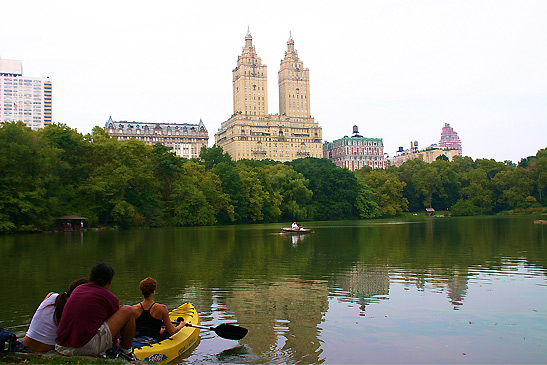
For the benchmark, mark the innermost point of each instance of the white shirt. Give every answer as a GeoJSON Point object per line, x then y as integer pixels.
{"type": "Point", "coordinates": [42, 326]}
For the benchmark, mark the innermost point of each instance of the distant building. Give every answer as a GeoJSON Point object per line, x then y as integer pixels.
{"type": "Point", "coordinates": [186, 140]}
{"type": "Point", "coordinates": [251, 132]}
{"type": "Point", "coordinates": [24, 98]}
{"type": "Point", "coordinates": [355, 152]}
{"type": "Point", "coordinates": [428, 154]}
{"type": "Point", "coordinates": [449, 139]}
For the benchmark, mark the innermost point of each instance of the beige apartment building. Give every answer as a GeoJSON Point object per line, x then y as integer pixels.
{"type": "Point", "coordinates": [185, 140]}
{"type": "Point", "coordinates": [251, 132]}
{"type": "Point", "coordinates": [428, 154]}
{"type": "Point", "coordinates": [24, 98]}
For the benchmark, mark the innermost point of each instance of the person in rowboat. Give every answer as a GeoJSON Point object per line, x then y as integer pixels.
{"type": "Point", "coordinates": [295, 226]}
{"type": "Point", "coordinates": [41, 333]}
{"type": "Point", "coordinates": [151, 315]}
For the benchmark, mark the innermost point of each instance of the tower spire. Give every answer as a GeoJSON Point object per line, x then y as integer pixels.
{"type": "Point", "coordinates": [290, 43]}
{"type": "Point", "coordinates": [248, 38]}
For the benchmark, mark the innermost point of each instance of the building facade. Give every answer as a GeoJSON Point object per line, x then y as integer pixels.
{"type": "Point", "coordinates": [185, 140]}
{"type": "Point", "coordinates": [251, 132]}
{"type": "Point", "coordinates": [450, 140]}
{"type": "Point", "coordinates": [355, 152]}
{"type": "Point", "coordinates": [427, 155]}
{"type": "Point", "coordinates": [24, 98]}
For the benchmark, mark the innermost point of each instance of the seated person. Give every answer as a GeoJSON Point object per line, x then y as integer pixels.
{"type": "Point", "coordinates": [41, 334]}
{"type": "Point", "coordinates": [295, 226]}
{"type": "Point", "coordinates": [92, 319]}
{"type": "Point", "coordinates": [151, 315]}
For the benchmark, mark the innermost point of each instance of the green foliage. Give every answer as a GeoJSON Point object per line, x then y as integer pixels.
{"type": "Point", "coordinates": [292, 188]}
{"type": "Point", "coordinates": [25, 166]}
{"type": "Point", "coordinates": [213, 156]}
{"type": "Point", "coordinates": [367, 202]}
{"type": "Point", "coordinates": [389, 192]}
{"type": "Point", "coordinates": [335, 190]}
{"type": "Point", "coordinates": [57, 171]}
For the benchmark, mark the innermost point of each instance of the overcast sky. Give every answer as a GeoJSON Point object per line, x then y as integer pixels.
{"type": "Point", "coordinates": [398, 70]}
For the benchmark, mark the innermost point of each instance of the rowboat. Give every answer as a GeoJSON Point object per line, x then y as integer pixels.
{"type": "Point", "coordinates": [540, 221]}
{"type": "Point", "coordinates": [177, 344]}
{"type": "Point", "coordinates": [296, 230]}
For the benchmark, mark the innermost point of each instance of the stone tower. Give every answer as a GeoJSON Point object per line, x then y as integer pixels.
{"type": "Point", "coordinates": [249, 80]}
{"type": "Point", "coordinates": [251, 132]}
{"type": "Point", "coordinates": [294, 85]}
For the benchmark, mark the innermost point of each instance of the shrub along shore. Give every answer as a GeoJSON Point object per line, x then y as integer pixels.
{"type": "Point", "coordinates": [57, 171]}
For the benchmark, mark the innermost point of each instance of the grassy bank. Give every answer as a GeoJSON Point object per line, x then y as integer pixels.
{"type": "Point", "coordinates": [21, 358]}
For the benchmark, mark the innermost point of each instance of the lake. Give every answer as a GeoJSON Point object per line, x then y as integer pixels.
{"type": "Point", "coordinates": [409, 290]}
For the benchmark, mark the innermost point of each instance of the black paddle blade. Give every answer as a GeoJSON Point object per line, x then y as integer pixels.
{"type": "Point", "coordinates": [230, 332]}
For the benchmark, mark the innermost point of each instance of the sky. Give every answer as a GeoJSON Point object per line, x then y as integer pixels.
{"type": "Point", "coordinates": [397, 69]}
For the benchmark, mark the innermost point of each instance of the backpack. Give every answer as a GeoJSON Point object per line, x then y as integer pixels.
{"type": "Point", "coordinates": [13, 345]}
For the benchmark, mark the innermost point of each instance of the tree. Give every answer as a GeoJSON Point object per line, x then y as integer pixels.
{"type": "Point", "coordinates": [367, 202]}
{"type": "Point", "coordinates": [293, 190]}
{"type": "Point", "coordinates": [334, 190]}
{"type": "Point", "coordinates": [254, 194]}
{"type": "Point", "coordinates": [213, 156]}
{"type": "Point", "coordinates": [515, 186]}
{"type": "Point", "coordinates": [198, 197]}
{"type": "Point", "coordinates": [407, 173]}
{"type": "Point", "coordinates": [26, 165]}
{"type": "Point", "coordinates": [122, 188]}
{"type": "Point", "coordinates": [389, 192]}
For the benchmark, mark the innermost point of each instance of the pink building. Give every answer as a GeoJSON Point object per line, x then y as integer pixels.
{"type": "Point", "coordinates": [450, 139]}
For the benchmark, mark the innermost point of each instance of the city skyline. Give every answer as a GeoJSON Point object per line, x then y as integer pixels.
{"type": "Point", "coordinates": [398, 70]}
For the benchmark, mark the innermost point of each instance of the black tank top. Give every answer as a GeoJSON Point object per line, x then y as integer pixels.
{"type": "Point", "coordinates": [148, 325]}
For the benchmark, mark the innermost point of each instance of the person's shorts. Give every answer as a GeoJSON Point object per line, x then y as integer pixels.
{"type": "Point", "coordinates": [101, 342]}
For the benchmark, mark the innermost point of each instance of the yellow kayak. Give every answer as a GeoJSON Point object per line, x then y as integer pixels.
{"type": "Point", "coordinates": [177, 344]}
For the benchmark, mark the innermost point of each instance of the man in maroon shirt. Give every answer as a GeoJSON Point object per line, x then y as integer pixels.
{"type": "Point", "coordinates": [92, 318]}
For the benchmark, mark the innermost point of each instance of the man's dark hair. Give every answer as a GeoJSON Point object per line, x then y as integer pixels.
{"type": "Point", "coordinates": [101, 274]}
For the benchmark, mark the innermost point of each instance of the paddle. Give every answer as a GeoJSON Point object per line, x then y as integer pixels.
{"type": "Point", "coordinates": [224, 330]}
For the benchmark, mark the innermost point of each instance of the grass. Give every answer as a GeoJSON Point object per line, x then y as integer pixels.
{"type": "Point", "coordinates": [21, 358]}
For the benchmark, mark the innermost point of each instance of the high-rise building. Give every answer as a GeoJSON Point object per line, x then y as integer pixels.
{"type": "Point", "coordinates": [294, 85]}
{"type": "Point", "coordinates": [251, 132]}
{"type": "Point", "coordinates": [355, 152]}
{"type": "Point", "coordinates": [24, 98]}
{"type": "Point", "coordinates": [185, 140]}
{"type": "Point", "coordinates": [449, 139]}
{"type": "Point", "coordinates": [250, 85]}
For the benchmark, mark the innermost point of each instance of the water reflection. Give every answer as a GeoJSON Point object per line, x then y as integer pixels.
{"type": "Point", "coordinates": [300, 295]}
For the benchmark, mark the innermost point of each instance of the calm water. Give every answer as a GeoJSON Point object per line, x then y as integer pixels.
{"type": "Point", "coordinates": [451, 290]}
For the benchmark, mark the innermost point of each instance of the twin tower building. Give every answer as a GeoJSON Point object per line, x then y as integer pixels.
{"type": "Point", "coordinates": [251, 132]}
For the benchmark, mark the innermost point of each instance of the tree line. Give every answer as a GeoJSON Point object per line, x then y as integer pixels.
{"type": "Point", "coordinates": [57, 171]}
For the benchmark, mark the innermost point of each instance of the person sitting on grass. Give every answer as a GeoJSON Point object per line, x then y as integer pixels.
{"type": "Point", "coordinates": [151, 315]}
{"type": "Point", "coordinates": [92, 319]}
{"type": "Point", "coordinates": [42, 331]}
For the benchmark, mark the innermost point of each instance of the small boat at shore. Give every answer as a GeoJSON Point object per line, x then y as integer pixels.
{"type": "Point", "coordinates": [175, 345]}
{"type": "Point", "coordinates": [540, 221]}
{"type": "Point", "coordinates": [296, 230]}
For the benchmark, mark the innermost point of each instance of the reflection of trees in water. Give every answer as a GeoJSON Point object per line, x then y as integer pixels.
{"type": "Point", "coordinates": [361, 259]}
